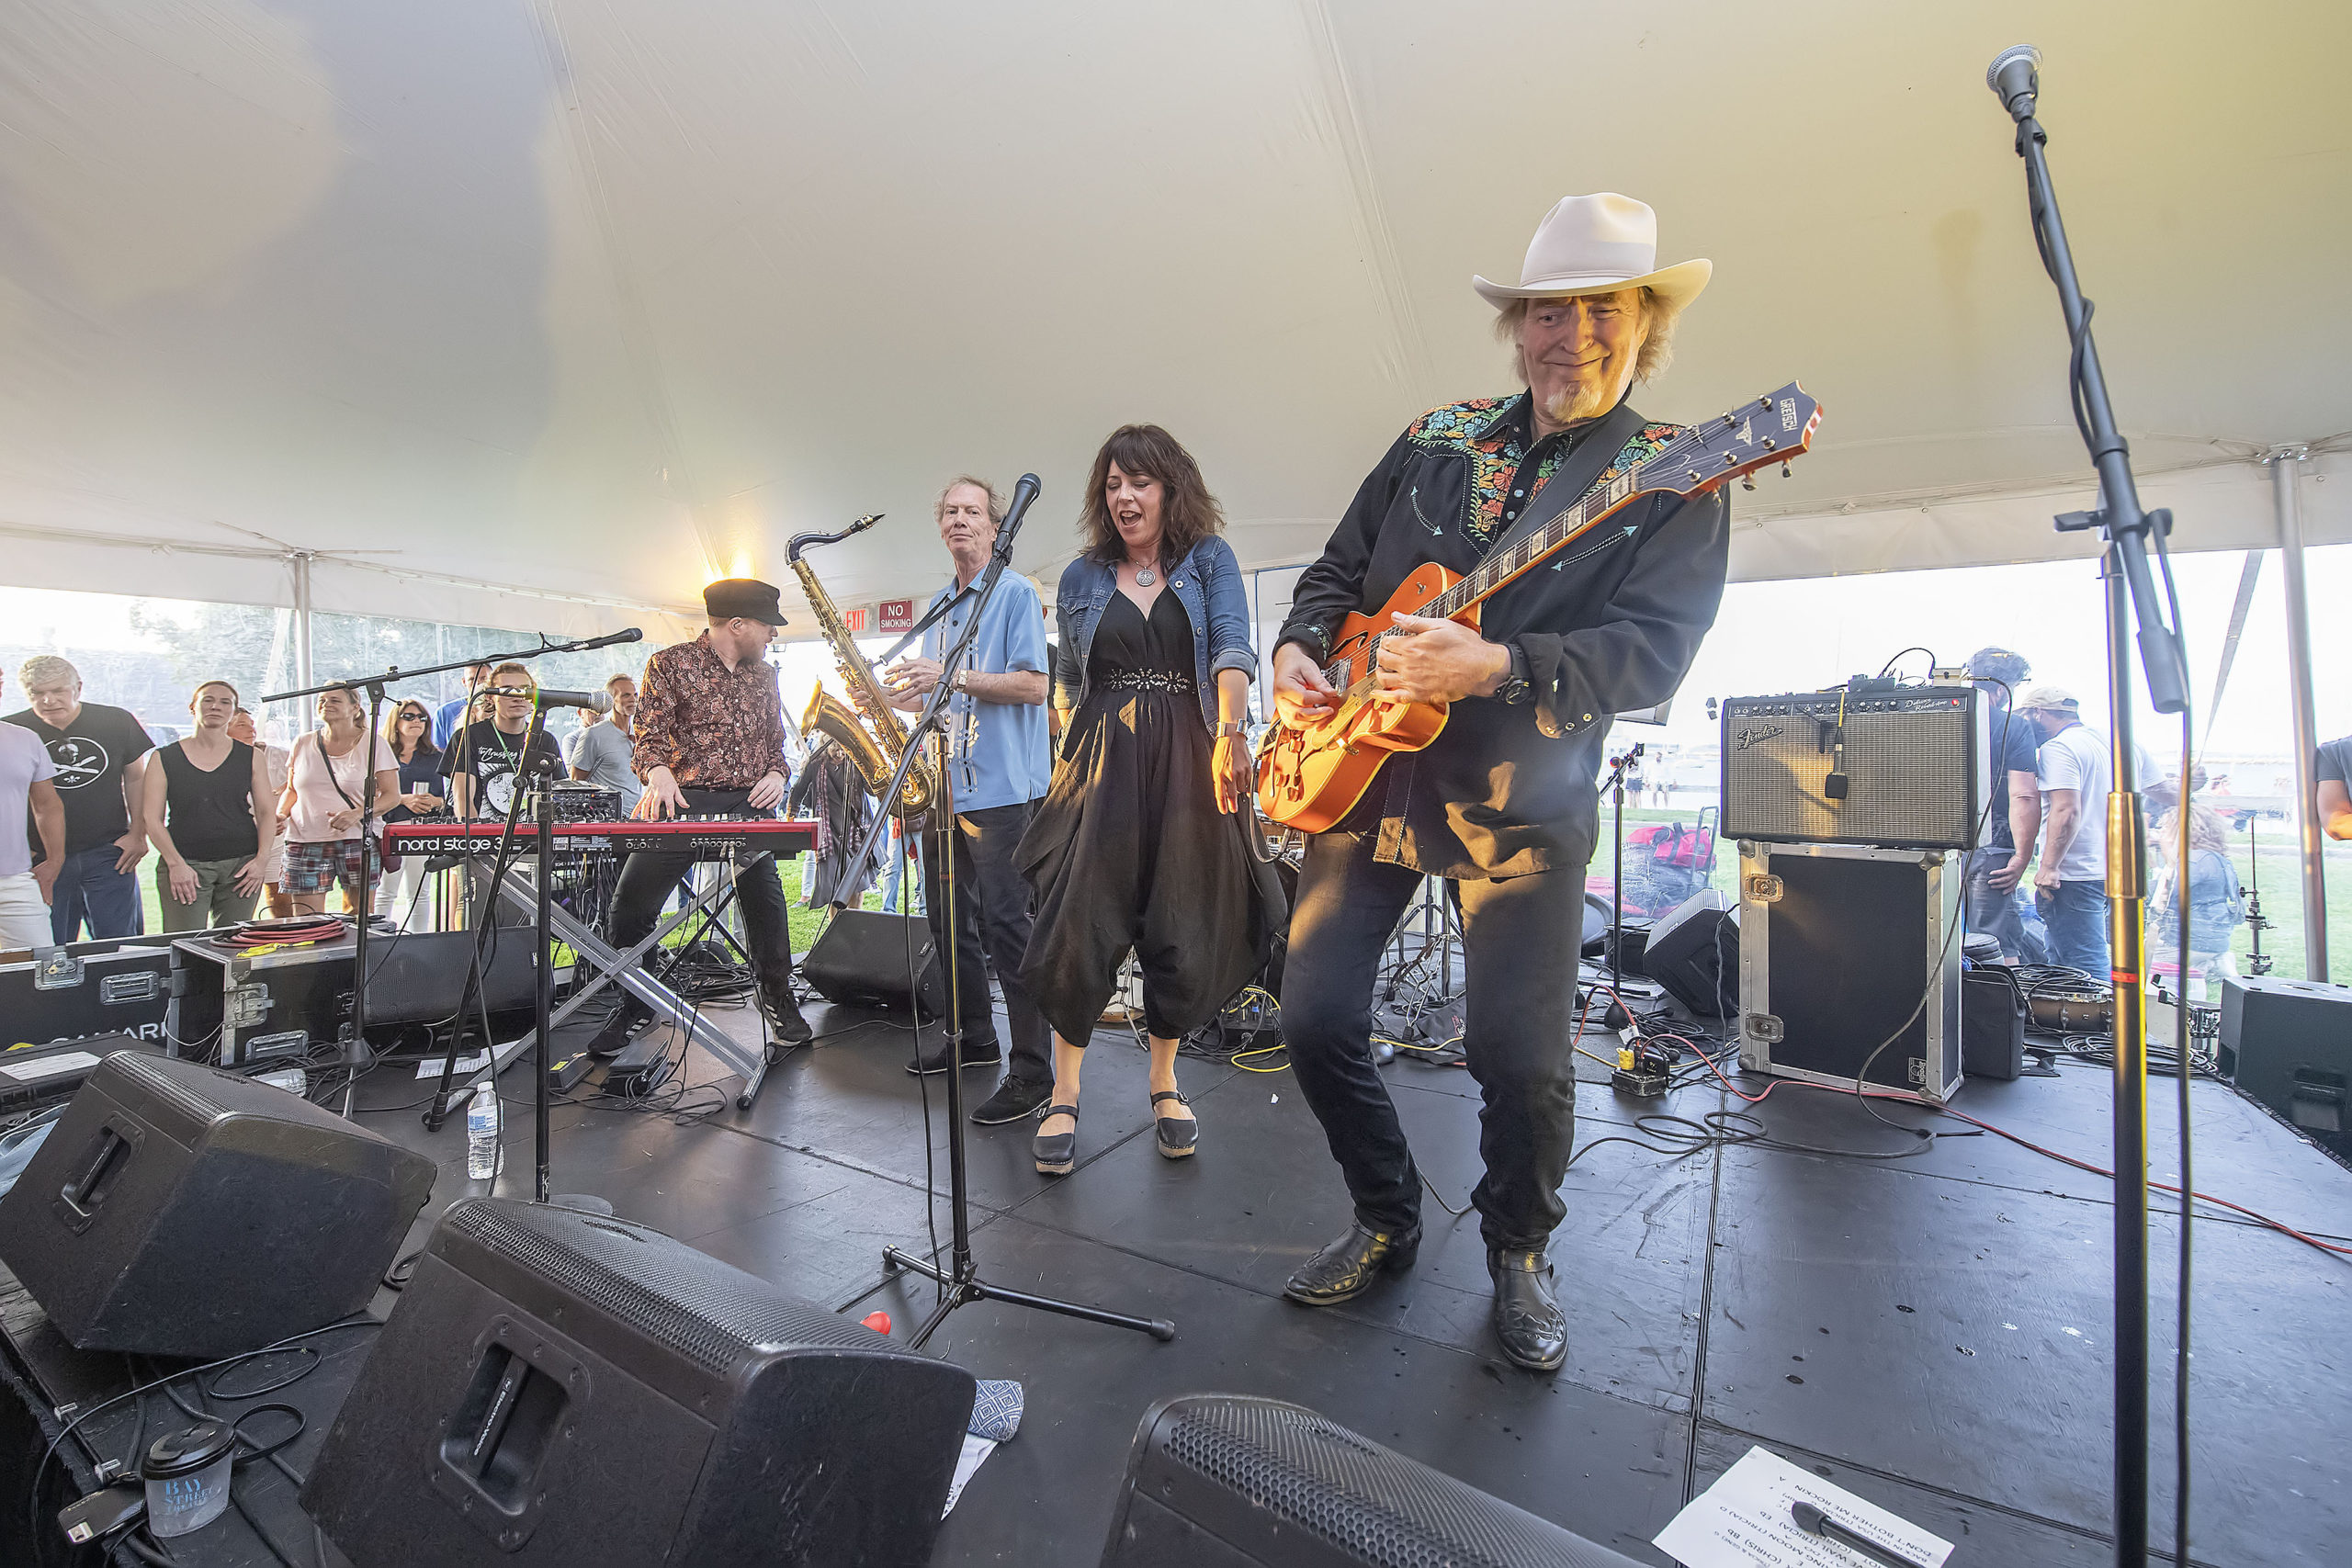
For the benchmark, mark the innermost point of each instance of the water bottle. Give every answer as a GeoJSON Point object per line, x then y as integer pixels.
{"type": "Point", "coordinates": [482, 1133]}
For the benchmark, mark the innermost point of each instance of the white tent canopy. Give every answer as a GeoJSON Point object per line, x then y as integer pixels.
{"type": "Point", "coordinates": [541, 313]}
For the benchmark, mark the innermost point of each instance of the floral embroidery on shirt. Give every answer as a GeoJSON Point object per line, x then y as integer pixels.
{"type": "Point", "coordinates": [1473, 429]}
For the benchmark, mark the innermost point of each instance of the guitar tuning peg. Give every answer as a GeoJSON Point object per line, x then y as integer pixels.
{"type": "Point", "coordinates": [1748, 481]}
{"type": "Point", "coordinates": [1784, 467]}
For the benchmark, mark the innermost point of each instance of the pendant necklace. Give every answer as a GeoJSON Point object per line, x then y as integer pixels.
{"type": "Point", "coordinates": [1144, 576]}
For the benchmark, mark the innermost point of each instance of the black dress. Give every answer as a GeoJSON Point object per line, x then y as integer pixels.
{"type": "Point", "coordinates": [1130, 849]}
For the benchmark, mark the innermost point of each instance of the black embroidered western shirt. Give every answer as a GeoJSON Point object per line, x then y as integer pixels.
{"type": "Point", "coordinates": [1607, 626]}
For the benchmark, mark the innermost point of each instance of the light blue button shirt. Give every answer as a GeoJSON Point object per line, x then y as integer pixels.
{"type": "Point", "coordinates": [1001, 753]}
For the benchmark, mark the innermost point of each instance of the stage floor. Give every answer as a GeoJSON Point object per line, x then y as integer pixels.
{"type": "Point", "coordinates": [1931, 1332]}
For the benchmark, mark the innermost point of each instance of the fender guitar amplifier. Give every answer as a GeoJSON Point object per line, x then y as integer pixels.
{"type": "Point", "coordinates": [1227, 1481]}
{"type": "Point", "coordinates": [563, 1390]}
{"type": "Point", "coordinates": [1902, 767]}
{"type": "Point", "coordinates": [1845, 950]}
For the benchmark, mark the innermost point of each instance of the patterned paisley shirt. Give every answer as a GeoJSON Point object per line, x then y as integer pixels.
{"type": "Point", "coordinates": [1607, 626]}
{"type": "Point", "coordinates": [711, 726]}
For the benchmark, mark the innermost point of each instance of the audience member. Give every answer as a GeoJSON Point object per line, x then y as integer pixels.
{"type": "Point", "coordinates": [2074, 778]}
{"type": "Point", "coordinates": [454, 714]}
{"type": "Point", "coordinates": [601, 752]}
{"type": "Point", "coordinates": [278, 759]}
{"type": "Point", "coordinates": [484, 758]}
{"type": "Point", "coordinates": [28, 784]}
{"type": "Point", "coordinates": [2216, 900]}
{"type": "Point", "coordinates": [2013, 816]}
{"type": "Point", "coordinates": [100, 753]}
{"type": "Point", "coordinates": [209, 812]}
{"type": "Point", "coordinates": [2335, 775]}
{"type": "Point", "coordinates": [327, 781]}
{"type": "Point", "coordinates": [408, 730]}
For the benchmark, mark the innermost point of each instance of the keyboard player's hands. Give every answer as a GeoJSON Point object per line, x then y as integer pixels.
{"type": "Point", "coordinates": [662, 798]}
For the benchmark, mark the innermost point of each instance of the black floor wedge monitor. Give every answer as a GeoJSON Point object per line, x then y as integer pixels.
{"type": "Point", "coordinates": [1225, 1481]}
{"type": "Point", "coordinates": [565, 1390]}
{"type": "Point", "coordinates": [179, 1210]}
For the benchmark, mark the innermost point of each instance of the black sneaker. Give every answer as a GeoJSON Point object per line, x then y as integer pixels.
{"type": "Point", "coordinates": [1015, 1100]}
{"type": "Point", "coordinates": [935, 1061]}
{"type": "Point", "coordinates": [790, 1026]}
{"type": "Point", "coordinates": [613, 1038]}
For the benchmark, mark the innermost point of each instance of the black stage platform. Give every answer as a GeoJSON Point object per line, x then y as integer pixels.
{"type": "Point", "coordinates": [1930, 1332]}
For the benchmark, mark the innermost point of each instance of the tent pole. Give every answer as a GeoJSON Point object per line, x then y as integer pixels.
{"type": "Point", "coordinates": [2286, 473]}
{"type": "Point", "coordinates": [301, 559]}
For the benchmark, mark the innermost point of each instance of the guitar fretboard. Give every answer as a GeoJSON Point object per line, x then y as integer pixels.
{"type": "Point", "coordinates": [1504, 565]}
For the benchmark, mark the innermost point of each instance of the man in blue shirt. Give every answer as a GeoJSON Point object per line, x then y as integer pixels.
{"type": "Point", "coordinates": [451, 717]}
{"type": "Point", "coordinates": [1997, 868]}
{"type": "Point", "coordinates": [1000, 762]}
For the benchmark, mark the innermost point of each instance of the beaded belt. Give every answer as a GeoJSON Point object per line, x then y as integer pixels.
{"type": "Point", "coordinates": [1147, 681]}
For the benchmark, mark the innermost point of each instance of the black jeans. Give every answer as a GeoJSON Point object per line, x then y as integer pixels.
{"type": "Point", "coordinates": [991, 912]}
{"type": "Point", "coordinates": [1521, 940]}
{"type": "Point", "coordinates": [650, 876]}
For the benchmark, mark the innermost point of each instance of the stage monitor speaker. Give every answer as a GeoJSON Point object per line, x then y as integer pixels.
{"type": "Point", "coordinates": [564, 1390]}
{"type": "Point", "coordinates": [177, 1211]}
{"type": "Point", "coordinates": [1917, 767]}
{"type": "Point", "coordinates": [1693, 952]}
{"type": "Point", "coordinates": [1227, 1481]}
{"type": "Point", "coordinates": [862, 960]}
{"type": "Point", "coordinates": [2288, 1045]}
{"type": "Point", "coordinates": [1992, 1016]}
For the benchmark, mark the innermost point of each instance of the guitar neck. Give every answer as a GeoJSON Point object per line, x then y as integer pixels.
{"type": "Point", "coordinates": [1499, 570]}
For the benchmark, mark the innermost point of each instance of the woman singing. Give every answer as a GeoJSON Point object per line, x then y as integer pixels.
{"type": "Point", "coordinates": [1129, 850]}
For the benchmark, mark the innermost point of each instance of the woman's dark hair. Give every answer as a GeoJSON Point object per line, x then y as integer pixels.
{"type": "Point", "coordinates": [1188, 512]}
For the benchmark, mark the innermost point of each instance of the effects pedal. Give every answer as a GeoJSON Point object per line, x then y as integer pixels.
{"type": "Point", "coordinates": [642, 1066]}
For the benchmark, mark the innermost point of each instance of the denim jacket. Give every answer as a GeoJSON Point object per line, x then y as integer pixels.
{"type": "Point", "coordinates": [1207, 582]}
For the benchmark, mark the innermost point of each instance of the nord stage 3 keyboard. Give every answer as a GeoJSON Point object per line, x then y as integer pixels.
{"type": "Point", "coordinates": [717, 837]}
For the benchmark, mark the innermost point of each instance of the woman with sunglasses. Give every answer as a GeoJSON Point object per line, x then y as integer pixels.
{"type": "Point", "coordinates": [408, 729]}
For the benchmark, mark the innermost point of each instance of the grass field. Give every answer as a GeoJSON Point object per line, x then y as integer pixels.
{"type": "Point", "coordinates": [2279, 885]}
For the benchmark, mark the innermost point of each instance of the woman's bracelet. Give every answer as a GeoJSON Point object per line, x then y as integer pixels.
{"type": "Point", "coordinates": [1228, 727]}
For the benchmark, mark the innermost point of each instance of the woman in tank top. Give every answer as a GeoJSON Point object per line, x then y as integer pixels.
{"type": "Point", "coordinates": [332, 769]}
{"type": "Point", "coordinates": [209, 811]}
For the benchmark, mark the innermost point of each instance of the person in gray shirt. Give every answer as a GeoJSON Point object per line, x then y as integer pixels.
{"type": "Point", "coordinates": [602, 752]}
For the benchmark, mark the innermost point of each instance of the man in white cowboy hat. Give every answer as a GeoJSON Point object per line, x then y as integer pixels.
{"type": "Point", "coordinates": [1503, 803]}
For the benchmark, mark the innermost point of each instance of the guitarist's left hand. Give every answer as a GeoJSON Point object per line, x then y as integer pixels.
{"type": "Point", "coordinates": [1439, 661]}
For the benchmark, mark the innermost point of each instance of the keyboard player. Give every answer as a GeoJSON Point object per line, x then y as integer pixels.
{"type": "Point", "coordinates": [711, 742]}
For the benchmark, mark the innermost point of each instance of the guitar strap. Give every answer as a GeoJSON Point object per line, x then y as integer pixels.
{"type": "Point", "coordinates": [1588, 457]}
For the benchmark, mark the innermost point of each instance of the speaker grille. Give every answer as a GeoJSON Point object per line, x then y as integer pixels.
{"type": "Point", "coordinates": [713, 1314]}
{"type": "Point", "coordinates": [1912, 763]}
{"type": "Point", "coordinates": [1378, 1506]}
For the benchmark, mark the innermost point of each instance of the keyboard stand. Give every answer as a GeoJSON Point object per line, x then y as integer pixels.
{"type": "Point", "coordinates": [625, 969]}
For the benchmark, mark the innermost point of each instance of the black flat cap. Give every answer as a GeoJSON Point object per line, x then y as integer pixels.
{"type": "Point", "coordinates": [745, 596]}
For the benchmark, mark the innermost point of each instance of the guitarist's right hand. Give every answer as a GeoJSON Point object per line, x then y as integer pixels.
{"type": "Point", "coordinates": [1302, 697]}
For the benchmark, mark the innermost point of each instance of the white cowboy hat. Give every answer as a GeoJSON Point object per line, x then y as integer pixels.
{"type": "Point", "coordinates": [1598, 244]}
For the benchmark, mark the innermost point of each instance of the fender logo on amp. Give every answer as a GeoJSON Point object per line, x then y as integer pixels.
{"type": "Point", "coordinates": [1753, 736]}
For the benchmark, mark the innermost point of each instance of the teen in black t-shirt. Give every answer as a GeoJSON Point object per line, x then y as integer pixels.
{"type": "Point", "coordinates": [483, 758]}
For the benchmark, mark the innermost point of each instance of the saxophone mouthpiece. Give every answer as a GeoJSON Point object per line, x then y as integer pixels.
{"type": "Point", "coordinates": [800, 542]}
{"type": "Point", "coordinates": [863, 524]}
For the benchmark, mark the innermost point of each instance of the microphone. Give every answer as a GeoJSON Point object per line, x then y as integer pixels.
{"type": "Point", "coordinates": [1025, 491]}
{"type": "Point", "coordinates": [602, 702]}
{"type": "Point", "coordinates": [632, 634]}
{"type": "Point", "coordinates": [2015, 78]}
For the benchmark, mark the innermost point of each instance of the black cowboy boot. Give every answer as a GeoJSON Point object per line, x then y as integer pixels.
{"type": "Point", "coordinates": [1533, 1329]}
{"type": "Point", "coordinates": [1348, 1266]}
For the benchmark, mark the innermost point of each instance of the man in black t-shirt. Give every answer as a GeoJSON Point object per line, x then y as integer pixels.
{"type": "Point", "coordinates": [2335, 777]}
{"type": "Point", "coordinates": [2014, 814]}
{"type": "Point", "coordinates": [483, 758]}
{"type": "Point", "coordinates": [100, 754]}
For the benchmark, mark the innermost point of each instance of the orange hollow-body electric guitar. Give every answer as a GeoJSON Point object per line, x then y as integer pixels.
{"type": "Point", "coordinates": [1310, 778]}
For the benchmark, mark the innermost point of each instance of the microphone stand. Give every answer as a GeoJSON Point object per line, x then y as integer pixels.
{"type": "Point", "coordinates": [355, 1048]}
{"type": "Point", "coordinates": [961, 1279]}
{"type": "Point", "coordinates": [1617, 892]}
{"type": "Point", "coordinates": [2131, 593]}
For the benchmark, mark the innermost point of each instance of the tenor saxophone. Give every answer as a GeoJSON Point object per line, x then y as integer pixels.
{"type": "Point", "coordinates": [875, 744]}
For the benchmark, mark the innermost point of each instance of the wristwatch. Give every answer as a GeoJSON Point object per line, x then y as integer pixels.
{"type": "Point", "coordinates": [962, 682]}
{"type": "Point", "coordinates": [1515, 688]}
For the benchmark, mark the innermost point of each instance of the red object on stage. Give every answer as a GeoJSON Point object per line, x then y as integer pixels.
{"type": "Point", "coordinates": [877, 1321]}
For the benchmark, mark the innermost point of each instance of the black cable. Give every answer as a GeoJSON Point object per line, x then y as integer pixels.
{"type": "Point", "coordinates": [1914, 648]}
{"type": "Point", "coordinates": [2183, 823]}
